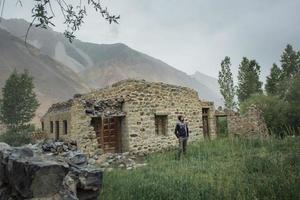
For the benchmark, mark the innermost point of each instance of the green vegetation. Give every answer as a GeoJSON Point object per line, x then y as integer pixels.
{"type": "Point", "coordinates": [227, 168]}
{"type": "Point", "coordinates": [222, 127]}
{"type": "Point", "coordinates": [226, 84]}
{"type": "Point", "coordinates": [17, 108]}
{"type": "Point", "coordinates": [248, 79]}
{"type": "Point", "coordinates": [280, 104]}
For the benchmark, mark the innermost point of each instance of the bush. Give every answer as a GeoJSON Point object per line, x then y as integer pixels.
{"type": "Point", "coordinates": [274, 110]}
{"type": "Point", "coordinates": [18, 137]}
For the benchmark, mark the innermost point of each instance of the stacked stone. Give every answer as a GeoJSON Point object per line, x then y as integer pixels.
{"type": "Point", "coordinates": [103, 108]}
{"type": "Point", "coordinates": [2, 129]}
{"type": "Point", "coordinates": [142, 102]}
{"type": "Point", "coordinates": [250, 124]}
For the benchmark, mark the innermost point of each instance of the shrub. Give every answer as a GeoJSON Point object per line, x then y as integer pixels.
{"type": "Point", "coordinates": [18, 137]}
{"type": "Point", "coordinates": [274, 111]}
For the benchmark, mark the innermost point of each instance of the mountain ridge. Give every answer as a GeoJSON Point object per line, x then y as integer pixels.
{"type": "Point", "coordinates": [100, 65]}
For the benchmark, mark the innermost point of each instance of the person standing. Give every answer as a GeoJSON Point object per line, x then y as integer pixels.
{"type": "Point", "coordinates": [182, 133]}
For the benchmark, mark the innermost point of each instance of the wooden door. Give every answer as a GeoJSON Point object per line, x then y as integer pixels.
{"type": "Point", "coordinates": [111, 133]}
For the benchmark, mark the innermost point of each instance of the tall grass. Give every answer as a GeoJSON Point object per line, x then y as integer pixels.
{"type": "Point", "coordinates": [220, 169]}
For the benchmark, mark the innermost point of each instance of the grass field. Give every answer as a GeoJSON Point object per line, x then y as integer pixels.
{"type": "Point", "coordinates": [219, 169]}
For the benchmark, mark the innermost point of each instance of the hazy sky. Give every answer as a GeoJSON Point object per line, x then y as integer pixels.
{"type": "Point", "coordinates": [193, 35]}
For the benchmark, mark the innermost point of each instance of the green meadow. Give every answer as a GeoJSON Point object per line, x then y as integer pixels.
{"type": "Point", "coordinates": [225, 168]}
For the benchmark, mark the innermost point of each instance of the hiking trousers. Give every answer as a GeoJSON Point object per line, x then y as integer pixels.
{"type": "Point", "coordinates": [182, 146]}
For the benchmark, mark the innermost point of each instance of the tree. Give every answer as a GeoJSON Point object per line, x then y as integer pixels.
{"type": "Point", "coordinates": [19, 102]}
{"type": "Point", "coordinates": [74, 14]}
{"type": "Point", "coordinates": [248, 79]}
{"type": "Point", "coordinates": [226, 83]}
{"type": "Point", "coordinates": [293, 100]}
{"type": "Point", "coordinates": [273, 81]}
{"type": "Point", "coordinates": [290, 67]}
{"type": "Point", "coordinates": [290, 62]}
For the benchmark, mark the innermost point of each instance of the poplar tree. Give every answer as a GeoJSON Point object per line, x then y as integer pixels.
{"type": "Point", "coordinates": [248, 79]}
{"type": "Point", "coordinates": [273, 81]}
{"type": "Point", "coordinates": [290, 67]}
{"type": "Point", "coordinates": [226, 84]}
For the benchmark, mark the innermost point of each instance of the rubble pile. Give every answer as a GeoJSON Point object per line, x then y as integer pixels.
{"type": "Point", "coordinates": [107, 108]}
{"type": "Point", "coordinates": [52, 170]}
{"type": "Point", "coordinates": [120, 160]}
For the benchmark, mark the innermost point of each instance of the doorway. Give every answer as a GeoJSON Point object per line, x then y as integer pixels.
{"type": "Point", "coordinates": [108, 132]}
{"type": "Point", "coordinates": [205, 122]}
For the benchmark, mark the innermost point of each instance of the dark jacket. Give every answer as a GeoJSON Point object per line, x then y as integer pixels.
{"type": "Point", "coordinates": [181, 130]}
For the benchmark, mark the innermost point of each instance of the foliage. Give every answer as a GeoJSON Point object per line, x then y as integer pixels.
{"type": "Point", "coordinates": [19, 102]}
{"type": "Point", "coordinates": [273, 81]}
{"type": "Point", "coordinates": [218, 169]}
{"type": "Point", "coordinates": [18, 136]}
{"type": "Point", "coordinates": [274, 111]}
{"type": "Point", "coordinates": [226, 84]}
{"type": "Point", "coordinates": [293, 100]}
{"type": "Point", "coordinates": [248, 79]}
{"type": "Point", "coordinates": [222, 127]}
{"type": "Point", "coordinates": [290, 67]}
{"type": "Point", "coordinates": [73, 13]}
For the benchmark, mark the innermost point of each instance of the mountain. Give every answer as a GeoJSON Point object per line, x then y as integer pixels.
{"type": "Point", "coordinates": [103, 64]}
{"type": "Point", "coordinates": [50, 43]}
{"type": "Point", "coordinates": [53, 80]}
{"type": "Point", "coordinates": [210, 82]}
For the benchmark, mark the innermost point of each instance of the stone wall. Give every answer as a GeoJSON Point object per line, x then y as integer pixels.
{"type": "Point", "coordinates": [2, 129]}
{"type": "Point", "coordinates": [60, 116]}
{"type": "Point", "coordinates": [250, 124]}
{"type": "Point", "coordinates": [142, 102]}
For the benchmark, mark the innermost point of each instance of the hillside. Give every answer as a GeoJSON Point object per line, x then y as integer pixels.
{"type": "Point", "coordinates": [103, 64]}
{"type": "Point", "coordinates": [53, 81]}
{"type": "Point", "coordinates": [210, 82]}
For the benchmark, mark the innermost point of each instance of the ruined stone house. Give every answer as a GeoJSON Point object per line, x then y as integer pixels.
{"type": "Point", "coordinates": [131, 115]}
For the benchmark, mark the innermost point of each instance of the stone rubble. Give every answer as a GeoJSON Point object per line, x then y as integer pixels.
{"type": "Point", "coordinates": [119, 160]}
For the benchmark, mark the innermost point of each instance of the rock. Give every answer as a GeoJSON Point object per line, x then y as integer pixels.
{"type": "Point", "coordinates": [26, 173]}
{"type": "Point", "coordinates": [109, 169]}
{"type": "Point", "coordinates": [106, 164]}
{"type": "Point", "coordinates": [33, 178]}
{"type": "Point", "coordinates": [91, 161]}
{"type": "Point", "coordinates": [78, 159]}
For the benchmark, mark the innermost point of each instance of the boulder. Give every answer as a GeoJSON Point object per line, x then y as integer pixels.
{"type": "Point", "coordinates": [26, 173]}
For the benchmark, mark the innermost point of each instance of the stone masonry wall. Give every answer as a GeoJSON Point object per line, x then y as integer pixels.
{"type": "Point", "coordinates": [2, 129]}
{"type": "Point", "coordinates": [57, 116]}
{"type": "Point", "coordinates": [142, 101]}
{"type": "Point", "coordinates": [249, 124]}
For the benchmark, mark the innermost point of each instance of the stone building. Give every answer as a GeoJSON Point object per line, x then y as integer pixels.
{"type": "Point", "coordinates": [131, 115]}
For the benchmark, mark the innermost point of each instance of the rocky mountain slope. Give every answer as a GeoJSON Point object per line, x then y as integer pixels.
{"type": "Point", "coordinates": [53, 80]}
{"type": "Point", "coordinates": [210, 82]}
{"type": "Point", "coordinates": [103, 64]}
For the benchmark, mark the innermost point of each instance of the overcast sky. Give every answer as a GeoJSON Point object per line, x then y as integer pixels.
{"type": "Point", "coordinates": [193, 35]}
